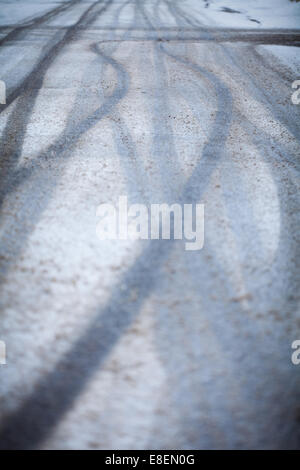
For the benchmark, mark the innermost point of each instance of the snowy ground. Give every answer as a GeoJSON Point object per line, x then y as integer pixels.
{"type": "Point", "coordinates": [247, 14]}
{"type": "Point", "coordinates": [141, 344]}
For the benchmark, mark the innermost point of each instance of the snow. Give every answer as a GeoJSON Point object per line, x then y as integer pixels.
{"type": "Point", "coordinates": [288, 55]}
{"type": "Point", "coordinates": [250, 14]}
{"type": "Point", "coordinates": [13, 12]}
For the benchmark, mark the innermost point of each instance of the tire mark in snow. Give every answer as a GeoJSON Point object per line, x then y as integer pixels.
{"type": "Point", "coordinates": [17, 33]}
{"type": "Point", "coordinates": [39, 414]}
{"type": "Point", "coordinates": [15, 130]}
{"type": "Point", "coordinates": [36, 76]}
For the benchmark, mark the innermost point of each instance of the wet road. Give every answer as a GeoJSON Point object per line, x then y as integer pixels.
{"type": "Point", "coordinates": [142, 344]}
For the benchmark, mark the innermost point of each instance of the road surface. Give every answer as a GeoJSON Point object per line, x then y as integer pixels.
{"type": "Point", "coordinates": [123, 344]}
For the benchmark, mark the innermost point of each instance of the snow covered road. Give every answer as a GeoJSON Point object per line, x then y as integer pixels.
{"type": "Point", "coordinates": [133, 344]}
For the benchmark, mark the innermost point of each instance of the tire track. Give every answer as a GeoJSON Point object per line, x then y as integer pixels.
{"type": "Point", "coordinates": [56, 392]}
{"type": "Point", "coordinates": [44, 181]}
{"type": "Point", "coordinates": [36, 76]}
{"type": "Point", "coordinates": [11, 177]}
{"type": "Point", "coordinates": [254, 331]}
{"type": "Point", "coordinates": [39, 414]}
{"type": "Point", "coordinates": [15, 130]}
{"type": "Point", "coordinates": [165, 153]}
{"type": "Point", "coordinates": [18, 32]}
